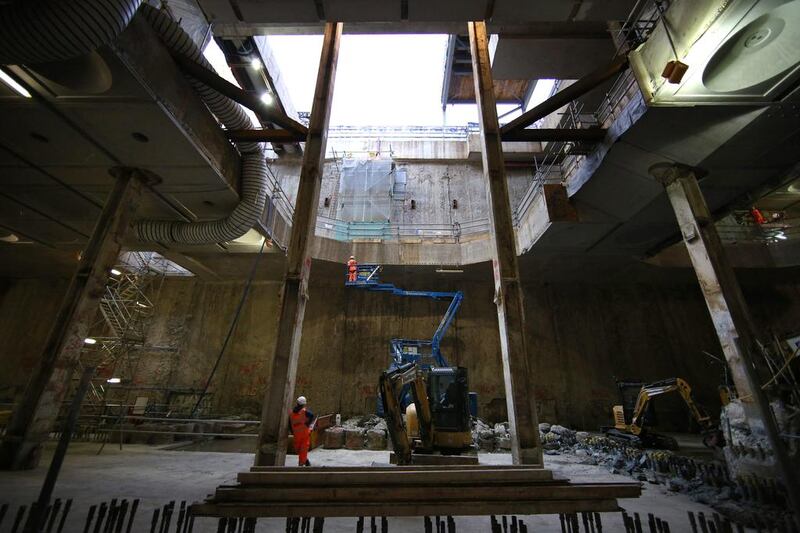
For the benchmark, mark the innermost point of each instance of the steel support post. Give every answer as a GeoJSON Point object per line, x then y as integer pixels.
{"type": "Point", "coordinates": [279, 396]}
{"type": "Point", "coordinates": [729, 312]}
{"type": "Point", "coordinates": [522, 418]}
{"type": "Point", "coordinates": [35, 414]}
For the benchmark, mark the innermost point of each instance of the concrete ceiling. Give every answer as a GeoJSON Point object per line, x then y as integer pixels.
{"type": "Point", "coordinates": [57, 148]}
{"type": "Point", "coordinates": [238, 18]}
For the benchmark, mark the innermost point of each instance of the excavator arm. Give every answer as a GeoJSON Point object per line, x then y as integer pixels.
{"type": "Point", "coordinates": [659, 388]}
{"type": "Point", "coordinates": [391, 385]}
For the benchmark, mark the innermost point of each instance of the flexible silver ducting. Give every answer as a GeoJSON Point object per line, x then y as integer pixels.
{"type": "Point", "coordinates": [254, 165]}
{"type": "Point", "coordinates": [53, 30]}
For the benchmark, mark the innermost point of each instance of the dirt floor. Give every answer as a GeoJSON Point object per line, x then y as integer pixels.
{"type": "Point", "coordinates": [157, 476]}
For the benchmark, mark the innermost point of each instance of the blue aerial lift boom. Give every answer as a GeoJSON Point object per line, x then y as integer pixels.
{"type": "Point", "coordinates": [405, 351]}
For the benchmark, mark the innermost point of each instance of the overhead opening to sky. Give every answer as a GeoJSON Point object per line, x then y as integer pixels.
{"type": "Point", "coordinates": [381, 80]}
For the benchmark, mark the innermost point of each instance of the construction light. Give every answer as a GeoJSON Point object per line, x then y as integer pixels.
{"type": "Point", "coordinates": [267, 98]}
{"type": "Point", "coordinates": [781, 235]}
{"type": "Point", "coordinates": [113, 380]}
{"type": "Point", "coordinates": [115, 272]}
{"type": "Point", "coordinates": [12, 83]}
{"type": "Point", "coordinates": [256, 63]}
{"type": "Point", "coordinates": [89, 340]}
{"type": "Point", "coordinates": [449, 271]}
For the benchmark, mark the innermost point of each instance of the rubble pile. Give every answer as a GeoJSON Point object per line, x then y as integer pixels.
{"type": "Point", "coordinates": [487, 438]}
{"type": "Point", "coordinates": [742, 498]}
{"type": "Point", "coordinates": [358, 433]}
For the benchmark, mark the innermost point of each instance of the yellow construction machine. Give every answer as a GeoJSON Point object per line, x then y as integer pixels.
{"type": "Point", "coordinates": [437, 419]}
{"type": "Point", "coordinates": [630, 427]}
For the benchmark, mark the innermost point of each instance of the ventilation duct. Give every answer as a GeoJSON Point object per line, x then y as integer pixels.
{"type": "Point", "coordinates": [79, 27]}
{"type": "Point", "coordinates": [54, 30]}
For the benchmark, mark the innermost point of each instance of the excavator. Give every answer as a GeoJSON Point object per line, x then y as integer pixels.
{"type": "Point", "coordinates": [438, 418]}
{"type": "Point", "coordinates": [630, 425]}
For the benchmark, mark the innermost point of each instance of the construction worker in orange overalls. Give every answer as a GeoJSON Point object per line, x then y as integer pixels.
{"type": "Point", "coordinates": [301, 422]}
{"type": "Point", "coordinates": [352, 270]}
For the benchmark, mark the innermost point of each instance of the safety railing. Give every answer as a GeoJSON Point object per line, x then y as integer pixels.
{"type": "Point", "coordinates": [390, 232]}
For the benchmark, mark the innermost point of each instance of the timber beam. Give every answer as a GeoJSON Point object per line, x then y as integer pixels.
{"type": "Point", "coordinates": [730, 314]}
{"type": "Point", "coordinates": [248, 100]}
{"type": "Point", "coordinates": [407, 491]}
{"type": "Point", "coordinates": [564, 97]}
{"type": "Point", "coordinates": [514, 350]}
{"type": "Point", "coordinates": [279, 396]}
{"type": "Point", "coordinates": [265, 135]}
{"type": "Point", "coordinates": [35, 414]}
{"type": "Point", "coordinates": [556, 135]}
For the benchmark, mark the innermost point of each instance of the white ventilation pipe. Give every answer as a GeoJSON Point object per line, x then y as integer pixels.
{"type": "Point", "coordinates": [54, 30]}
{"type": "Point", "coordinates": [254, 165]}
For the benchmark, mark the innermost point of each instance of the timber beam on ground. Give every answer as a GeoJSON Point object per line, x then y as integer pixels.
{"type": "Point", "coordinates": [406, 491]}
{"type": "Point", "coordinates": [555, 135]}
{"type": "Point", "coordinates": [248, 100]}
{"type": "Point", "coordinates": [567, 95]}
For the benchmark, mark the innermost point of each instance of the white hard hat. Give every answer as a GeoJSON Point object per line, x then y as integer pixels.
{"type": "Point", "coordinates": [301, 400]}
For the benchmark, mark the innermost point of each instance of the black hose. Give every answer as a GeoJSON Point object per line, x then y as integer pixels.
{"type": "Point", "coordinates": [235, 320]}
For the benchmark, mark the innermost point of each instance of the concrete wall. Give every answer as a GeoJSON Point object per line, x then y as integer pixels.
{"type": "Point", "coordinates": [582, 337]}
{"type": "Point", "coordinates": [433, 186]}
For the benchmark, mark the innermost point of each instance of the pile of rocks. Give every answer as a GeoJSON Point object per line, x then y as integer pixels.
{"type": "Point", "coordinates": [488, 438]}
{"type": "Point", "coordinates": [357, 434]}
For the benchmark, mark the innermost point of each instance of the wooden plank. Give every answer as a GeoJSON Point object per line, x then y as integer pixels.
{"type": "Point", "coordinates": [451, 508]}
{"type": "Point", "coordinates": [392, 478]}
{"type": "Point", "coordinates": [433, 459]}
{"type": "Point", "coordinates": [387, 468]}
{"type": "Point", "coordinates": [279, 394]}
{"type": "Point", "coordinates": [516, 359]}
{"type": "Point", "coordinates": [378, 493]}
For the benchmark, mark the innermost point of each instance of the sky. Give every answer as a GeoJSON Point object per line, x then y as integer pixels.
{"type": "Point", "coordinates": [381, 80]}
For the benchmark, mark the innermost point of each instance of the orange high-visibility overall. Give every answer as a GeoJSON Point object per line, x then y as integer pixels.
{"type": "Point", "coordinates": [352, 269]}
{"type": "Point", "coordinates": [302, 434]}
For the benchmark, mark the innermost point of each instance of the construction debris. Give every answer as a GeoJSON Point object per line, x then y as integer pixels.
{"type": "Point", "coordinates": [749, 499]}
{"type": "Point", "coordinates": [358, 433]}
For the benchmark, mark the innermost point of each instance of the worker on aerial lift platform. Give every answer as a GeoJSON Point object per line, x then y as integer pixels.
{"type": "Point", "coordinates": [352, 270]}
{"type": "Point", "coordinates": [301, 422]}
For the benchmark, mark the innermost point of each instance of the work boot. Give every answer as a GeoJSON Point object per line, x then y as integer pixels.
{"type": "Point", "coordinates": [308, 463]}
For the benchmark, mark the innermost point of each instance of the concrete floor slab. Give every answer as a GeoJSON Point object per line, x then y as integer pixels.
{"type": "Point", "coordinates": [157, 476]}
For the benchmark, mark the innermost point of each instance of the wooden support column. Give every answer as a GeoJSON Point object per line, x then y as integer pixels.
{"type": "Point", "coordinates": [35, 414]}
{"type": "Point", "coordinates": [522, 418]}
{"type": "Point", "coordinates": [729, 312]}
{"type": "Point", "coordinates": [279, 396]}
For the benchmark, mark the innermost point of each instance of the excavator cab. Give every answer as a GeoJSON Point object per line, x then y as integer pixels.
{"type": "Point", "coordinates": [634, 416]}
{"type": "Point", "coordinates": [437, 420]}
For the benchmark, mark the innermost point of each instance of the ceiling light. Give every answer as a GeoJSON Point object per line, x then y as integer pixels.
{"type": "Point", "coordinates": [113, 380]}
{"type": "Point", "coordinates": [256, 63]}
{"type": "Point", "coordinates": [11, 238]}
{"type": "Point", "coordinates": [267, 98]}
{"type": "Point", "coordinates": [11, 82]}
{"type": "Point", "coordinates": [115, 272]}
{"type": "Point", "coordinates": [449, 271]}
{"type": "Point", "coordinates": [89, 340]}
{"type": "Point", "coordinates": [781, 235]}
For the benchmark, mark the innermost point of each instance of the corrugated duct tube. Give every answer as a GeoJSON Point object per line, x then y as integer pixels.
{"type": "Point", "coordinates": [81, 26]}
